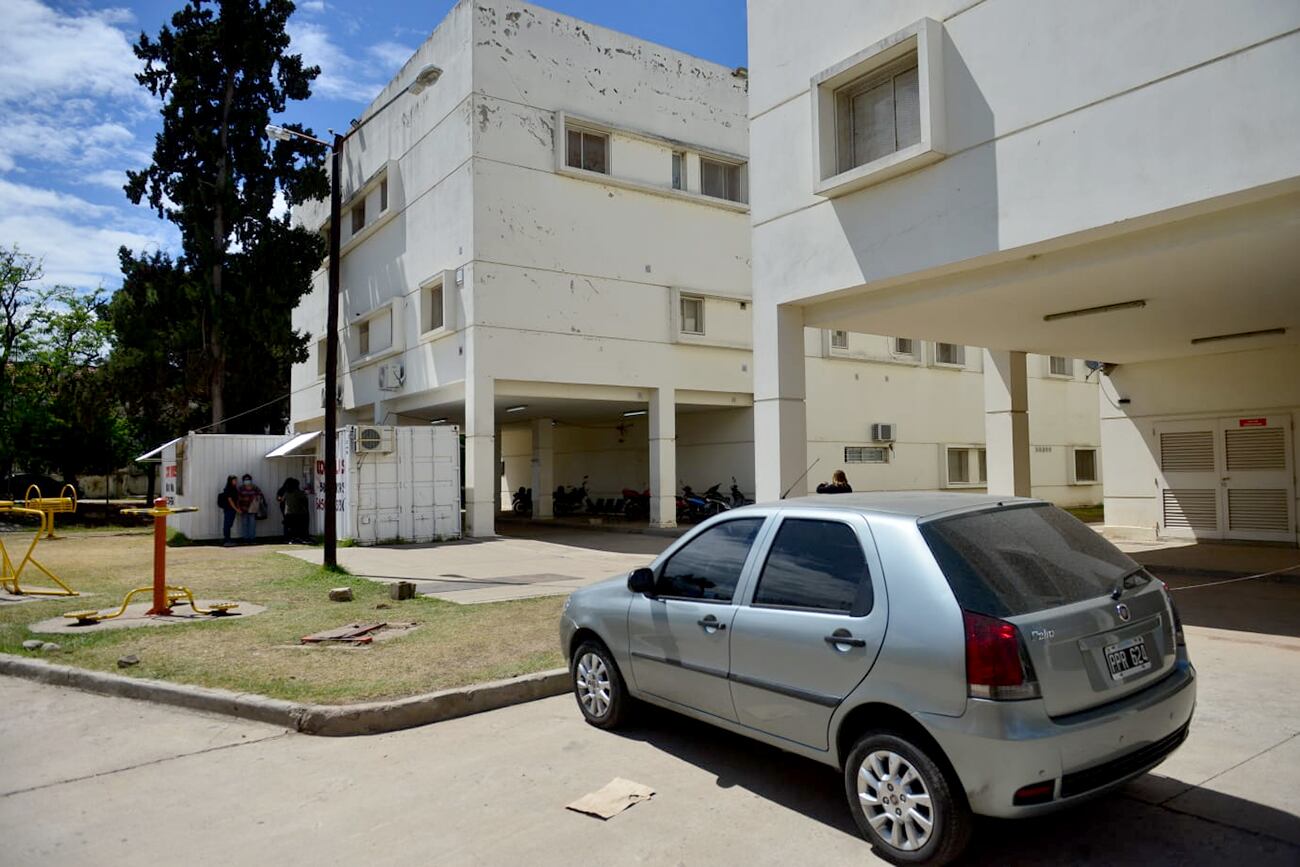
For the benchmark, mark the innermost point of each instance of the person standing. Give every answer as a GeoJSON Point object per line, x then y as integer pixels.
{"type": "Point", "coordinates": [251, 503]}
{"type": "Point", "coordinates": [295, 513]}
{"type": "Point", "coordinates": [228, 501]}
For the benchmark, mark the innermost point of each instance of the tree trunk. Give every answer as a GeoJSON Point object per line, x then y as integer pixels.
{"type": "Point", "coordinates": [216, 336]}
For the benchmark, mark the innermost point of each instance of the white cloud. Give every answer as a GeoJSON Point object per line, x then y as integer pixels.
{"type": "Point", "coordinates": [313, 7]}
{"type": "Point", "coordinates": [76, 239]}
{"type": "Point", "coordinates": [354, 76]}
{"type": "Point", "coordinates": [47, 52]}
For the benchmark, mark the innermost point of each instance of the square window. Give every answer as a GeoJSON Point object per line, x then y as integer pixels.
{"type": "Point", "coordinates": [1058, 365]}
{"type": "Point", "coordinates": [950, 353]}
{"type": "Point", "coordinates": [679, 170]}
{"type": "Point", "coordinates": [878, 114]}
{"type": "Point", "coordinates": [721, 180]}
{"type": "Point", "coordinates": [1085, 467]}
{"type": "Point", "coordinates": [359, 216]}
{"type": "Point", "coordinates": [839, 340]}
{"type": "Point", "coordinates": [363, 338]}
{"type": "Point", "coordinates": [588, 151]}
{"type": "Point", "coordinates": [905, 346]}
{"type": "Point", "coordinates": [959, 466]}
{"type": "Point", "coordinates": [383, 195]}
{"type": "Point", "coordinates": [692, 316]}
{"type": "Point", "coordinates": [965, 466]}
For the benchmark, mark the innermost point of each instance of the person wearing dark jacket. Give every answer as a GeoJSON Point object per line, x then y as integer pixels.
{"type": "Point", "coordinates": [228, 500]}
{"type": "Point", "coordinates": [295, 505]}
{"type": "Point", "coordinates": [839, 484]}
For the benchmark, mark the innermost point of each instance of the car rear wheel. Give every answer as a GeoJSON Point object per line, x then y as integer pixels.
{"type": "Point", "coordinates": [904, 803]}
{"type": "Point", "coordinates": [598, 686]}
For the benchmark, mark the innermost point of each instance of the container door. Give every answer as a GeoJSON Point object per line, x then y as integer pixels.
{"type": "Point", "coordinates": [1190, 461]}
{"type": "Point", "coordinates": [1257, 479]}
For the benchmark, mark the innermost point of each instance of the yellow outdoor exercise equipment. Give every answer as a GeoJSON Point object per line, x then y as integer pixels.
{"type": "Point", "coordinates": [65, 502]}
{"type": "Point", "coordinates": [43, 509]}
{"type": "Point", "coordinates": [164, 595]}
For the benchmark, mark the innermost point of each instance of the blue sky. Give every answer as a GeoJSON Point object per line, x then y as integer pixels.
{"type": "Point", "coordinates": [73, 119]}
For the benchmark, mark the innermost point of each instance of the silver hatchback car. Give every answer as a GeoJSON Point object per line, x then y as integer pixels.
{"type": "Point", "coordinates": [952, 654]}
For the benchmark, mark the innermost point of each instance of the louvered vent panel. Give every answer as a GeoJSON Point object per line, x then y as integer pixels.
{"type": "Point", "coordinates": [1260, 510]}
{"type": "Point", "coordinates": [1262, 449]}
{"type": "Point", "coordinates": [1189, 451]}
{"type": "Point", "coordinates": [1190, 510]}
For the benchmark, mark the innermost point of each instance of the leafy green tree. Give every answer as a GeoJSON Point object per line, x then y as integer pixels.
{"type": "Point", "coordinates": [222, 70]}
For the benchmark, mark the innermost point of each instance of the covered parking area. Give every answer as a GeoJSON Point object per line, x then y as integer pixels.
{"type": "Point", "coordinates": [1192, 316]}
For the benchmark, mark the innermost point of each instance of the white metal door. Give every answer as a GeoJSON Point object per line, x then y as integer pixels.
{"type": "Point", "coordinates": [1227, 478]}
{"type": "Point", "coordinates": [1189, 458]}
{"type": "Point", "coordinates": [1258, 483]}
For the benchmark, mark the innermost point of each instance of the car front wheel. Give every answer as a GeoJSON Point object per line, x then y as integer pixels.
{"type": "Point", "coordinates": [904, 803]}
{"type": "Point", "coordinates": [598, 686]}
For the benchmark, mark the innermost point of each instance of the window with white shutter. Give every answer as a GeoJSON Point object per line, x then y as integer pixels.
{"type": "Point", "coordinates": [879, 114]}
{"type": "Point", "coordinates": [1187, 451]}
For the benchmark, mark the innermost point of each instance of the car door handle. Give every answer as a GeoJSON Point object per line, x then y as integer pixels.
{"type": "Point", "coordinates": [711, 622]}
{"type": "Point", "coordinates": [842, 636]}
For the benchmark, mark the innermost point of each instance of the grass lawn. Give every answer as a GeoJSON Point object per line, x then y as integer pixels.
{"type": "Point", "coordinates": [1088, 514]}
{"type": "Point", "coordinates": [455, 645]}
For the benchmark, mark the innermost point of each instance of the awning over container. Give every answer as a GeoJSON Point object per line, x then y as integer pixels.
{"type": "Point", "coordinates": [155, 455]}
{"type": "Point", "coordinates": [300, 445]}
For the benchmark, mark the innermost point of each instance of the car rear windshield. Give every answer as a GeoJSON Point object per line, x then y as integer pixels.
{"type": "Point", "coordinates": [1022, 559]}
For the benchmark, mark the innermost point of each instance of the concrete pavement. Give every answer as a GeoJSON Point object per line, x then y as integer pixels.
{"type": "Point", "coordinates": [87, 779]}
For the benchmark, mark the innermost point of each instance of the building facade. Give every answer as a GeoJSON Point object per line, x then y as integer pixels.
{"type": "Point", "coordinates": [551, 248]}
{"type": "Point", "coordinates": [1107, 181]}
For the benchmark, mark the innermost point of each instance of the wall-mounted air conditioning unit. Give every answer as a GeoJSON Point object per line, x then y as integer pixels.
{"type": "Point", "coordinates": [883, 432]}
{"type": "Point", "coordinates": [392, 376]}
{"type": "Point", "coordinates": [372, 440]}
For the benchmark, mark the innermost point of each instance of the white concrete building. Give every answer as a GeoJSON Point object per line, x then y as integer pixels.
{"type": "Point", "coordinates": [551, 247]}
{"type": "Point", "coordinates": [1103, 180]}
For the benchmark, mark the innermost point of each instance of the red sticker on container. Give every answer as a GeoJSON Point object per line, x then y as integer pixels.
{"type": "Point", "coordinates": [1252, 422]}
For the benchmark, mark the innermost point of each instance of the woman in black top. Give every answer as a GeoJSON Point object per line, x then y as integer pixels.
{"type": "Point", "coordinates": [228, 500]}
{"type": "Point", "coordinates": [839, 484]}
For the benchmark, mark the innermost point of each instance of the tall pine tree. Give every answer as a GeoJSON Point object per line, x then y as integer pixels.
{"type": "Point", "coordinates": [222, 70]}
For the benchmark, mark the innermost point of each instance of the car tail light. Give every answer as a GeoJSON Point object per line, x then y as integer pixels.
{"type": "Point", "coordinates": [997, 666]}
{"type": "Point", "coordinates": [1178, 621]}
{"type": "Point", "coordinates": [1034, 793]}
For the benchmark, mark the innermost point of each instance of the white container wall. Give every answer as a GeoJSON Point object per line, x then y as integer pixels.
{"type": "Point", "coordinates": [194, 470]}
{"type": "Point", "coordinates": [397, 484]}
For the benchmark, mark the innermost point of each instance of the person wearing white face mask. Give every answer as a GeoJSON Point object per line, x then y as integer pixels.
{"type": "Point", "coordinates": [252, 505]}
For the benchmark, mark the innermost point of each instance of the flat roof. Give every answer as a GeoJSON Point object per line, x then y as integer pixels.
{"type": "Point", "coordinates": [295, 446]}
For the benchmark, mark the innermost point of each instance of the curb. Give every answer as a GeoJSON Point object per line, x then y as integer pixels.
{"type": "Point", "coordinates": [313, 719]}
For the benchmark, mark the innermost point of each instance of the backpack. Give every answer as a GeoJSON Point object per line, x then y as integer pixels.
{"type": "Point", "coordinates": [221, 499]}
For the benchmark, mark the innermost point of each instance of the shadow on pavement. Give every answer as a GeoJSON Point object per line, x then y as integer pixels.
{"type": "Point", "coordinates": [577, 537]}
{"type": "Point", "coordinates": [1261, 606]}
{"type": "Point", "coordinates": [1115, 829]}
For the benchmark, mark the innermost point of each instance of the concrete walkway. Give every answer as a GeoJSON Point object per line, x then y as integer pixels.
{"type": "Point", "coordinates": [531, 561]}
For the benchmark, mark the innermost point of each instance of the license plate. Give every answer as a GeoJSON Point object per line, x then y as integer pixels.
{"type": "Point", "coordinates": [1127, 658]}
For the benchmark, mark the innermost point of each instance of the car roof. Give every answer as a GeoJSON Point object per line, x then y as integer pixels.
{"type": "Point", "coordinates": [912, 504]}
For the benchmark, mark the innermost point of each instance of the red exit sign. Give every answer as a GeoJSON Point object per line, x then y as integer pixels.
{"type": "Point", "coordinates": [1252, 422]}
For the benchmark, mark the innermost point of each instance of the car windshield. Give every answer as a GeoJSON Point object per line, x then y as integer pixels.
{"type": "Point", "coordinates": [1018, 560]}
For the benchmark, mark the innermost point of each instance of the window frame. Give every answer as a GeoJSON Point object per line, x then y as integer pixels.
{"type": "Point", "coordinates": [1069, 367]}
{"type": "Point", "coordinates": [913, 353]}
{"type": "Point", "coordinates": [681, 315]}
{"type": "Point", "coordinates": [742, 589]}
{"type": "Point", "coordinates": [922, 39]}
{"type": "Point", "coordinates": [846, 128]}
{"type": "Point", "coordinates": [574, 126]}
{"type": "Point", "coordinates": [1074, 465]}
{"type": "Point", "coordinates": [677, 171]}
{"type": "Point", "coordinates": [357, 209]}
{"type": "Point", "coordinates": [861, 607]}
{"type": "Point", "coordinates": [973, 463]}
{"type": "Point", "coordinates": [939, 362]}
{"type": "Point", "coordinates": [841, 347]}
{"type": "Point", "coordinates": [883, 450]}
{"type": "Point", "coordinates": [734, 171]}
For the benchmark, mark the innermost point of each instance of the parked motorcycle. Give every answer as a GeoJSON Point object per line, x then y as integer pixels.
{"type": "Point", "coordinates": [636, 504]}
{"type": "Point", "coordinates": [738, 497]}
{"type": "Point", "coordinates": [569, 501]}
{"type": "Point", "coordinates": [694, 507]}
{"type": "Point", "coordinates": [522, 501]}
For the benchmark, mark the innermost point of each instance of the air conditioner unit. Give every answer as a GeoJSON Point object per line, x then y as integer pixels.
{"type": "Point", "coordinates": [338, 395]}
{"type": "Point", "coordinates": [392, 375]}
{"type": "Point", "coordinates": [883, 432]}
{"type": "Point", "coordinates": [371, 440]}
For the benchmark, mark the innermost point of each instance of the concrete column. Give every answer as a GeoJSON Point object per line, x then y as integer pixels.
{"type": "Point", "coordinates": [481, 481]}
{"type": "Point", "coordinates": [663, 458]}
{"type": "Point", "coordinates": [543, 481]}
{"type": "Point", "coordinates": [1006, 422]}
{"type": "Point", "coordinates": [780, 413]}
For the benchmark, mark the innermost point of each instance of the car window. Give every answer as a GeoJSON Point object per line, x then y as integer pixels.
{"type": "Point", "coordinates": [1006, 562]}
{"type": "Point", "coordinates": [709, 566]}
{"type": "Point", "coordinates": [816, 564]}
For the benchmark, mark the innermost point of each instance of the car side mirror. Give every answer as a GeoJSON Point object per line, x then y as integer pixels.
{"type": "Point", "coordinates": [641, 580]}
